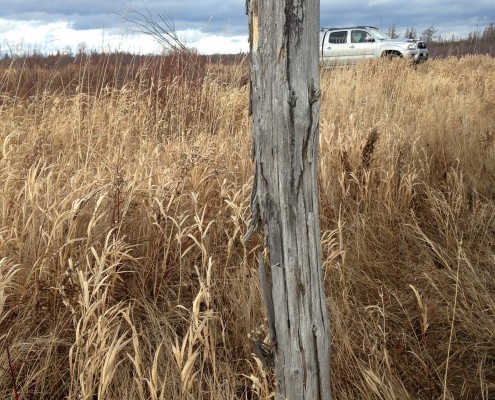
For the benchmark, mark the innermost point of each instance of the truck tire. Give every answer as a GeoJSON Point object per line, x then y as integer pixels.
{"type": "Point", "coordinates": [391, 54]}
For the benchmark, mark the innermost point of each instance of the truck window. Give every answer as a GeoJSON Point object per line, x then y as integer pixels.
{"type": "Point", "coordinates": [338, 37]}
{"type": "Point", "coordinates": [358, 36]}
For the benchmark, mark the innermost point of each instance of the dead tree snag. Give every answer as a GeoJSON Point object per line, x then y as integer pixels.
{"type": "Point", "coordinates": [285, 108]}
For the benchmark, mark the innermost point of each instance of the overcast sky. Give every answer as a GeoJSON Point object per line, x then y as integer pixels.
{"type": "Point", "coordinates": [212, 26]}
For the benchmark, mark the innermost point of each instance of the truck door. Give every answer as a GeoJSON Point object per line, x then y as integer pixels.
{"type": "Point", "coordinates": [362, 45]}
{"type": "Point", "coordinates": [335, 48]}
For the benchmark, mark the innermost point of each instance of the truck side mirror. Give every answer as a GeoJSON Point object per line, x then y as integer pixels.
{"type": "Point", "coordinates": [369, 39]}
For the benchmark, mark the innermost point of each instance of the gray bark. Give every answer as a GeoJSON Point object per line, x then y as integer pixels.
{"type": "Point", "coordinates": [285, 107]}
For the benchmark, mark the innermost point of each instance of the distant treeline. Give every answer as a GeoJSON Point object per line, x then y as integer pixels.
{"type": "Point", "coordinates": [460, 48]}
{"type": "Point", "coordinates": [95, 73]}
{"type": "Point", "coordinates": [478, 42]}
{"type": "Point", "coordinates": [63, 59]}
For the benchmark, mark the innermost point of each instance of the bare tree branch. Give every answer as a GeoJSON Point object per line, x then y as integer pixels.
{"type": "Point", "coordinates": [162, 29]}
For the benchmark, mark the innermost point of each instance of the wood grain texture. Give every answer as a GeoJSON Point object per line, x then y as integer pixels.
{"type": "Point", "coordinates": [285, 106]}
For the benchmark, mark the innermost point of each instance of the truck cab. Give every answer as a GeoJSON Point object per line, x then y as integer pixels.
{"type": "Point", "coordinates": [342, 46]}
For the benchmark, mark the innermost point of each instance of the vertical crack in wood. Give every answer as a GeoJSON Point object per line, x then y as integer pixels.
{"type": "Point", "coordinates": [266, 291]}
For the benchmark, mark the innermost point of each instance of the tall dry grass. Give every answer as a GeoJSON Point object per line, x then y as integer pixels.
{"type": "Point", "coordinates": [123, 274]}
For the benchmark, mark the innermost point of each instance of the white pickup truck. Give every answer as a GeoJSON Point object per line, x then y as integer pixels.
{"type": "Point", "coordinates": [342, 46]}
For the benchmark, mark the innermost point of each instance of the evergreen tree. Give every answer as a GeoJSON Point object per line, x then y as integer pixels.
{"type": "Point", "coordinates": [392, 32]}
{"type": "Point", "coordinates": [410, 33]}
{"type": "Point", "coordinates": [489, 33]}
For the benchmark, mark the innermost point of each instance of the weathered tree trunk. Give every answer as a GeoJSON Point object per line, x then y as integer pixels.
{"type": "Point", "coordinates": [285, 107]}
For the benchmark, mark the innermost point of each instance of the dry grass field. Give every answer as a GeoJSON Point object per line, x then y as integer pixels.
{"type": "Point", "coordinates": [125, 195]}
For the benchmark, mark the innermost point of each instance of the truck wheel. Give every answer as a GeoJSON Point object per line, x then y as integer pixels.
{"type": "Point", "coordinates": [391, 55]}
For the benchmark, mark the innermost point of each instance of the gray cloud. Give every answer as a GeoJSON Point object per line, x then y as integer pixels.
{"type": "Point", "coordinates": [216, 15]}
{"type": "Point", "coordinates": [226, 17]}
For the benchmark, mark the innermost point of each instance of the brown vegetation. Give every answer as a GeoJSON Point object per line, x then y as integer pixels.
{"type": "Point", "coordinates": [124, 201]}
